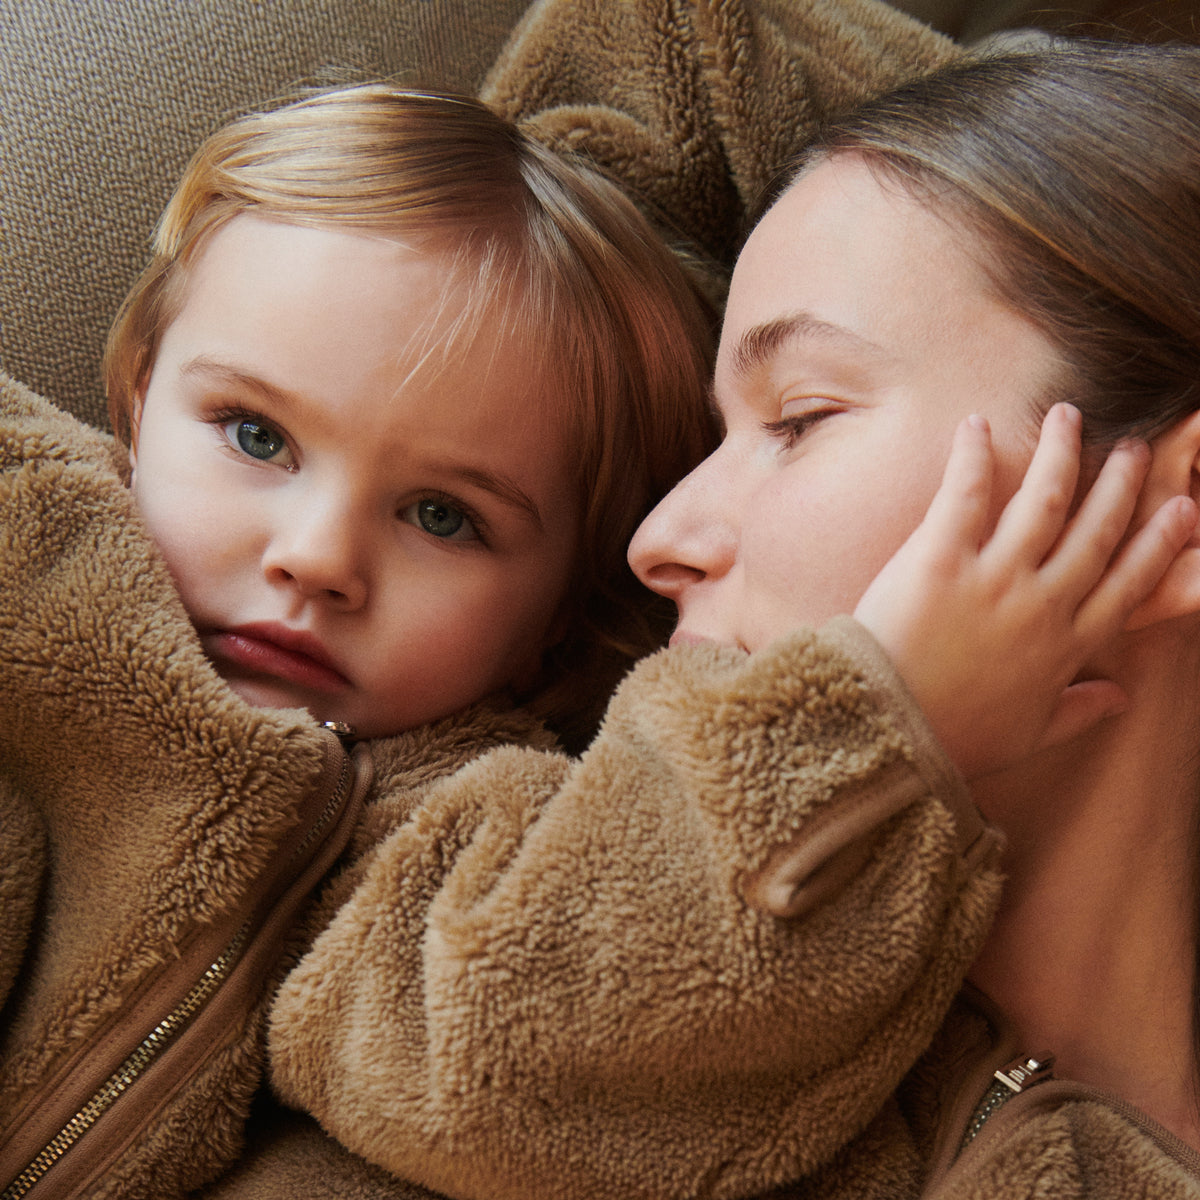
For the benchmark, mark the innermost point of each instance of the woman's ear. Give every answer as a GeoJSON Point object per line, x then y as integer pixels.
{"type": "Point", "coordinates": [1174, 471]}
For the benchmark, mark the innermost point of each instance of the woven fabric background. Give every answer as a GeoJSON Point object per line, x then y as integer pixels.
{"type": "Point", "coordinates": [102, 103]}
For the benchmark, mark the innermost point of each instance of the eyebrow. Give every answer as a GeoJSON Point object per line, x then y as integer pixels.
{"type": "Point", "coordinates": [500, 486]}
{"type": "Point", "coordinates": [202, 365]}
{"type": "Point", "coordinates": [507, 490]}
{"type": "Point", "coordinates": [760, 343]}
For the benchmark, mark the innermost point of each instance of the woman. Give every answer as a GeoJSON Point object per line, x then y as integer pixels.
{"type": "Point", "coordinates": [996, 237]}
{"type": "Point", "coordinates": [725, 951]}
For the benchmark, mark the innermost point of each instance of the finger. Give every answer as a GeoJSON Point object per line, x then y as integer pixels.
{"type": "Point", "coordinates": [957, 514]}
{"type": "Point", "coordinates": [1034, 519]}
{"type": "Point", "coordinates": [1138, 570]}
{"type": "Point", "coordinates": [1081, 707]}
{"type": "Point", "coordinates": [1178, 592]}
{"type": "Point", "coordinates": [1079, 560]}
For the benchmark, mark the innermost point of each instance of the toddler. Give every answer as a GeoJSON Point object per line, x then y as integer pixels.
{"type": "Point", "coordinates": [389, 401]}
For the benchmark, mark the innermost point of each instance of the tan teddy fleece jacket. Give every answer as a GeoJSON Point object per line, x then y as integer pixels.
{"type": "Point", "coordinates": [698, 961]}
{"type": "Point", "coordinates": [719, 954]}
{"type": "Point", "coordinates": [693, 106]}
{"type": "Point", "coordinates": [157, 838]}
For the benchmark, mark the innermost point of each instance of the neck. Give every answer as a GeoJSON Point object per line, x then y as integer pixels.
{"type": "Point", "coordinates": [1093, 954]}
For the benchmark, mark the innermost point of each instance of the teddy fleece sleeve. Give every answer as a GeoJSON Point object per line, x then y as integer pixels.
{"type": "Point", "coordinates": [693, 963]}
{"type": "Point", "coordinates": [30, 429]}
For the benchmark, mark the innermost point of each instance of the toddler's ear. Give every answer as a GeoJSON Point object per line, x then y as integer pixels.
{"type": "Point", "coordinates": [135, 425]}
{"type": "Point", "coordinates": [1174, 471]}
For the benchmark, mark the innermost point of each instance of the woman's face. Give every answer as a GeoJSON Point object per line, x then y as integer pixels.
{"type": "Point", "coordinates": [859, 332]}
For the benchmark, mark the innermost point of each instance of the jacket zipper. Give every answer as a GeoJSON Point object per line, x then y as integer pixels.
{"type": "Point", "coordinates": [151, 1046]}
{"type": "Point", "coordinates": [1010, 1080]}
{"type": "Point", "coordinates": [164, 1033]}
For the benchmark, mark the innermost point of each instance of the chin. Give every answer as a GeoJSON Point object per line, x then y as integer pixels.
{"type": "Point", "coordinates": [684, 637]}
{"type": "Point", "coordinates": [264, 694]}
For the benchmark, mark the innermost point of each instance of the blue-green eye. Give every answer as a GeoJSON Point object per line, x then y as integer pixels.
{"type": "Point", "coordinates": [441, 519]}
{"type": "Point", "coordinates": [256, 439]}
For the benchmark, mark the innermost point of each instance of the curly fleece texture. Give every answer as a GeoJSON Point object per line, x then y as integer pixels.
{"type": "Point", "coordinates": [548, 980]}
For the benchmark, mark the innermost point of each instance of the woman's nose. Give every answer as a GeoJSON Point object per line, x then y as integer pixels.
{"type": "Point", "coordinates": [317, 551]}
{"type": "Point", "coordinates": [690, 537]}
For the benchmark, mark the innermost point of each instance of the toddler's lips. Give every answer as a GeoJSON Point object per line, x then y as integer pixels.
{"type": "Point", "coordinates": [277, 652]}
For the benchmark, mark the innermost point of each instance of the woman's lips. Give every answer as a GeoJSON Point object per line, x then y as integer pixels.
{"type": "Point", "coordinates": [682, 638]}
{"type": "Point", "coordinates": [278, 652]}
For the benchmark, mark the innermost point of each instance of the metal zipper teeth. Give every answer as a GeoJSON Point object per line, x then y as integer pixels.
{"type": "Point", "coordinates": [149, 1049]}
{"type": "Point", "coordinates": [994, 1098]}
{"type": "Point", "coordinates": [1011, 1080]}
{"type": "Point", "coordinates": [162, 1034]}
{"type": "Point", "coordinates": [328, 812]}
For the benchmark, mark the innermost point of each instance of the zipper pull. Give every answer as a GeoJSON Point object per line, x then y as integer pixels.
{"type": "Point", "coordinates": [1025, 1071]}
{"type": "Point", "coordinates": [1011, 1080]}
{"type": "Point", "coordinates": [347, 733]}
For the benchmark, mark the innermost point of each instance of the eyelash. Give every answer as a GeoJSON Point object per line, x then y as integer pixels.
{"type": "Point", "coordinates": [222, 417]}
{"type": "Point", "coordinates": [789, 430]}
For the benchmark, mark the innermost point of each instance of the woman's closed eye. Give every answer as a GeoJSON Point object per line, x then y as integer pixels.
{"type": "Point", "coordinates": [442, 518]}
{"type": "Point", "coordinates": [790, 428]}
{"type": "Point", "coordinates": [257, 439]}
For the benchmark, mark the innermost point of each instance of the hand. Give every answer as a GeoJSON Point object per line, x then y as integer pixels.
{"type": "Point", "coordinates": [990, 633]}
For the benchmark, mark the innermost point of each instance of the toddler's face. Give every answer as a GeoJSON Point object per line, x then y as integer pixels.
{"type": "Point", "coordinates": [358, 522]}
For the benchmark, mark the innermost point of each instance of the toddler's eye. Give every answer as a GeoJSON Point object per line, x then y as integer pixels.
{"type": "Point", "coordinates": [256, 439]}
{"type": "Point", "coordinates": [441, 519]}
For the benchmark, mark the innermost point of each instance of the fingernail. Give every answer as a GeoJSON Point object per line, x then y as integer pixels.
{"type": "Point", "coordinates": [976, 421]}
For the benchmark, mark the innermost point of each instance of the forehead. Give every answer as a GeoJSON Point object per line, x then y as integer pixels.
{"type": "Point", "coordinates": [841, 224]}
{"type": "Point", "coordinates": [854, 290]}
{"type": "Point", "coordinates": [426, 304]}
{"type": "Point", "coordinates": [852, 266]}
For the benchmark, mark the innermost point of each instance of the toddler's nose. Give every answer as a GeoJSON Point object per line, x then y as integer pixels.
{"type": "Point", "coordinates": [318, 552]}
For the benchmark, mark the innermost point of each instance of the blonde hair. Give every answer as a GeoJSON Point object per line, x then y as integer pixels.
{"type": "Point", "coordinates": [614, 330]}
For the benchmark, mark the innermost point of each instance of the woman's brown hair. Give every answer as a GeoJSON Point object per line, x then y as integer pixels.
{"type": "Point", "coordinates": [1078, 164]}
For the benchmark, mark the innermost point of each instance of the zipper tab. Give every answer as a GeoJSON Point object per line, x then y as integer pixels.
{"type": "Point", "coordinates": [1010, 1080]}
{"type": "Point", "coordinates": [1024, 1072]}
